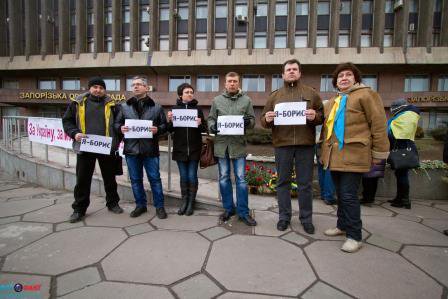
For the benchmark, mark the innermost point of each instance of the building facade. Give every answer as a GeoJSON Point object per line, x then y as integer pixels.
{"type": "Point", "coordinates": [49, 48]}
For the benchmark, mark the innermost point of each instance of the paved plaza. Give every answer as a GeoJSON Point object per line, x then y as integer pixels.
{"type": "Point", "coordinates": [405, 254]}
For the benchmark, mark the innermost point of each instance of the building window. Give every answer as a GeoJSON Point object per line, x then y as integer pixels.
{"type": "Point", "coordinates": [262, 10]}
{"type": "Point", "coordinates": [443, 83]}
{"type": "Point", "coordinates": [220, 41]}
{"type": "Point", "coordinates": [416, 83]}
{"type": "Point", "coordinates": [182, 42]}
{"type": "Point", "coordinates": [144, 43]}
{"type": "Point", "coordinates": [344, 39]}
{"type": "Point", "coordinates": [323, 8]}
{"type": "Point", "coordinates": [108, 44]}
{"type": "Point", "coordinates": [10, 84]}
{"type": "Point", "coordinates": [175, 81]}
{"type": "Point", "coordinates": [221, 10]}
{"type": "Point", "coordinates": [280, 39]}
{"type": "Point", "coordinates": [240, 41]}
{"type": "Point", "coordinates": [164, 14]}
{"type": "Point", "coordinates": [302, 8]}
{"type": "Point", "coordinates": [277, 82]}
{"type": "Point", "coordinates": [371, 81]}
{"type": "Point", "coordinates": [208, 83]}
{"type": "Point", "coordinates": [413, 6]}
{"type": "Point", "coordinates": [126, 14]}
{"type": "Point", "coordinates": [301, 40]}
{"type": "Point", "coordinates": [73, 19]}
{"type": "Point", "coordinates": [389, 6]}
{"type": "Point", "coordinates": [182, 13]}
{"type": "Point", "coordinates": [366, 39]}
{"type": "Point", "coordinates": [164, 44]}
{"type": "Point", "coordinates": [90, 45]}
{"type": "Point", "coordinates": [322, 39]}
{"type": "Point", "coordinates": [108, 15]}
{"type": "Point", "coordinates": [201, 41]}
{"type": "Point", "coordinates": [260, 40]}
{"type": "Point", "coordinates": [71, 84]}
{"type": "Point", "coordinates": [129, 80]}
{"type": "Point", "coordinates": [345, 7]}
{"type": "Point", "coordinates": [90, 18]}
{"type": "Point", "coordinates": [253, 83]}
{"type": "Point", "coordinates": [112, 84]}
{"type": "Point", "coordinates": [281, 9]}
{"type": "Point", "coordinates": [388, 38]}
{"type": "Point", "coordinates": [144, 14]}
{"type": "Point", "coordinates": [241, 9]}
{"type": "Point", "coordinates": [201, 10]}
{"type": "Point", "coordinates": [367, 6]}
{"type": "Point", "coordinates": [47, 84]}
{"type": "Point", "coordinates": [126, 44]}
{"type": "Point", "coordinates": [325, 83]}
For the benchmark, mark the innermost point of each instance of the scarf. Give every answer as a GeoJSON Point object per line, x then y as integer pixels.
{"type": "Point", "coordinates": [336, 119]}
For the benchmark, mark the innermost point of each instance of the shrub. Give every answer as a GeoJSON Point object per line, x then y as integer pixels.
{"type": "Point", "coordinates": [257, 174]}
{"type": "Point", "coordinates": [419, 134]}
{"type": "Point", "coordinates": [438, 133]}
{"type": "Point", "coordinates": [259, 136]}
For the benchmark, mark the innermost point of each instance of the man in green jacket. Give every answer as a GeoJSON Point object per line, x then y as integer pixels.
{"type": "Point", "coordinates": [294, 144]}
{"type": "Point", "coordinates": [232, 148]}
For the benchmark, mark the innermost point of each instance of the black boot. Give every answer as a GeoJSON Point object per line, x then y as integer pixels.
{"type": "Point", "coordinates": [184, 194]}
{"type": "Point", "coordinates": [192, 191]}
{"type": "Point", "coordinates": [404, 201]}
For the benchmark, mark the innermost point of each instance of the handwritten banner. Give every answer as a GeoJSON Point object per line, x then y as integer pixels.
{"type": "Point", "coordinates": [96, 144]}
{"type": "Point", "coordinates": [291, 113]}
{"type": "Point", "coordinates": [230, 125]}
{"type": "Point", "coordinates": [185, 118]}
{"type": "Point", "coordinates": [48, 131]}
{"type": "Point", "coordinates": [138, 128]}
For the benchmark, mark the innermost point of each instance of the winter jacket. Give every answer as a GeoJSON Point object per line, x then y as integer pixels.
{"type": "Point", "coordinates": [227, 104]}
{"type": "Point", "coordinates": [74, 120]}
{"type": "Point", "coordinates": [365, 133]}
{"type": "Point", "coordinates": [187, 142]}
{"type": "Point", "coordinates": [294, 134]}
{"type": "Point", "coordinates": [147, 147]}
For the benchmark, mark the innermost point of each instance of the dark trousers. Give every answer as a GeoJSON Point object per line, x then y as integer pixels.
{"type": "Point", "coordinates": [369, 186]}
{"type": "Point", "coordinates": [349, 208]}
{"type": "Point", "coordinates": [302, 157]}
{"type": "Point", "coordinates": [402, 176]}
{"type": "Point", "coordinates": [85, 165]}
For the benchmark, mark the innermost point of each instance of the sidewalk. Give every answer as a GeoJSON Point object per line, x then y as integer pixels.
{"type": "Point", "coordinates": [405, 254]}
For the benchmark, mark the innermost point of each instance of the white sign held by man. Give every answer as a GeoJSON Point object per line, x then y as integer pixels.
{"type": "Point", "coordinates": [185, 118]}
{"type": "Point", "coordinates": [291, 113]}
{"type": "Point", "coordinates": [138, 128]}
{"type": "Point", "coordinates": [230, 125]}
{"type": "Point", "coordinates": [96, 144]}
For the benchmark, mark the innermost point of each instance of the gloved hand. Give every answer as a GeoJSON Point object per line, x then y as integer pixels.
{"type": "Point", "coordinates": [246, 121]}
{"type": "Point", "coordinates": [214, 129]}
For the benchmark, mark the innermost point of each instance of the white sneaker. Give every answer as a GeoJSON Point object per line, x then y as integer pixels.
{"type": "Point", "coordinates": [332, 232]}
{"type": "Point", "coordinates": [351, 245]}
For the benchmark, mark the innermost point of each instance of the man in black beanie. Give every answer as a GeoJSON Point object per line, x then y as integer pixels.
{"type": "Point", "coordinates": [92, 113]}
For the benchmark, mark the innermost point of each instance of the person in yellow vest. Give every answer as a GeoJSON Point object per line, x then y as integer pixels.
{"type": "Point", "coordinates": [92, 113]}
{"type": "Point", "coordinates": [401, 129]}
{"type": "Point", "coordinates": [355, 138]}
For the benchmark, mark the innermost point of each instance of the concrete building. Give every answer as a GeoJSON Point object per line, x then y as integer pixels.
{"type": "Point", "coordinates": [49, 48]}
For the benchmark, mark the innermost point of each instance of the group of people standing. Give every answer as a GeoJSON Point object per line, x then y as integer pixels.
{"type": "Point", "coordinates": [354, 139]}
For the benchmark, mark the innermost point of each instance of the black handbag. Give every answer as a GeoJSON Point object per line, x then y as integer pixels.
{"type": "Point", "coordinates": [404, 158]}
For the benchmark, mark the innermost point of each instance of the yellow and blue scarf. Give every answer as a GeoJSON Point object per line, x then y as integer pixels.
{"type": "Point", "coordinates": [336, 119]}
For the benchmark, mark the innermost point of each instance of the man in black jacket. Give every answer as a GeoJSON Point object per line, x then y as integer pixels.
{"type": "Point", "coordinates": [143, 152]}
{"type": "Point", "coordinates": [92, 113]}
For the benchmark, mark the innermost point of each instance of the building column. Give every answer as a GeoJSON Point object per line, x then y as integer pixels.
{"type": "Point", "coordinates": [378, 24]}
{"type": "Point", "coordinates": [250, 26]}
{"type": "Point", "coordinates": [31, 27]}
{"type": "Point", "coordinates": [153, 26]}
{"type": "Point", "coordinates": [312, 25]}
{"type": "Point", "coordinates": [81, 28]}
{"type": "Point", "coordinates": [271, 26]}
{"type": "Point", "coordinates": [444, 25]}
{"type": "Point", "coordinates": [401, 25]}
{"type": "Point", "coordinates": [210, 26]}
{"type": "Point", "coordinates": [230, 25]}
{"type": "Point", "coordinates": [191, 26]}
{"type": "Point", "coordinates": [334, 24]}
{"type": "Point", "coordinates": [355, 32]}
{"type": "Point", "coordinates": [3, 30]}
{"type": "Point", "coordinates": [425, 24]}
{"type": "Point", "coordinates": [14, 26]}
{"type": "Point", "coordinates": [47, 29]}
{"type": "Point", "coordinates": [291, 25]}
{"type": "Point", "coordinates": [63, 27]}
{"type": "Point", "coordinates": [98, 27]}
{"type": "Point", "coordinates": [116, 26]}
{"type": "Point", "coordinates": [134, 37]}
{"type": "Point", "coordinates": [172, 31]}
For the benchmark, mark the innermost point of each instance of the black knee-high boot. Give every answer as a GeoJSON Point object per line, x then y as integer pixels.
{"type": "Point", "coordinates": [185, 197]}
{"type": "Point", "coordinates": [192, 191]}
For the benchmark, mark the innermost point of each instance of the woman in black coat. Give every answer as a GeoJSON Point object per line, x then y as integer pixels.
{"type": "Point", "coordinates": [187, 143]}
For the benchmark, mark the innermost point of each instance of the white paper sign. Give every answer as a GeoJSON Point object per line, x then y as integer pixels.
{"type": "Point", "coordinates": [230, 125]}
{"type": "Point", "coordinates": [121, 149]}
{"type": "Point", "coordinates": [96, 144]}
{"type": "Point", "coordinates": [138, 128]}
{"type": "Point", "coordinates": [48, 131]}
{"type": "Point", "coordinates": [185, 118]}
{"type": "Point", "coordinates": [291, 113]}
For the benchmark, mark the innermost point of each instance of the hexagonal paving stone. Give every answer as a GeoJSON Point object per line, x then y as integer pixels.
{"type": "Point", "coordinates": [37, 281]}
{"type": "Point", "coordinates": [362, 273]}
{"type": "Point", "coordinates": [112, 290]}
{"type": "Point", "coordinates": [58, 213]}
{"type": "Point", "coordinates": [264, 265]}
{"type": "Point", "coordinates": [106, 218]}
{"type": "Point", "coordinates": [267, 224]}
{"type": "Point", "coordinates": [189, 223]}
{"type": "Point", "coordinates": [443, 207]}
{"type": "Point", "coordinates": [375, 210]}
{"type": "Point", "coordinates": [420, 211]}
{"type": "Point", "coordinates": [199, 286]}
{"type": "Point", "coordinates": [321, 290]}
{"type": "Point", "coordinates": [9, 219]}
{"type": "Point", "coordinates": [295, 238]}
{"type": "Point", "coordinates": [24, 192]}
{"type": "Point", "coordinates": [402, 231]}
{"type": "Point", "coordinates": [431, 259]}
{"type": "Point", "coordinates": [436, 224]}
{"type": "Point", "coordinates": [215, 233]}
{"type": "Point", "coordinates": [18, 234]}
{"type": "Point", "coordinates": [160, 257]}
{"type": "Point", "coordinates": [77, 280]}
{"type": "Point", "coordinates": [64, 251]}
{"type": "Point", "coordinates": [13, 208]}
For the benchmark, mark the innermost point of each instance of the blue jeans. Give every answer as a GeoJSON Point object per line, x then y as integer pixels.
{"type": "Point", "coordinates": [349, 208]}
{"type": "Point", "coordinates": [325, 183]}
{"type": "Point", "coordinates": [135, 168]}
{"type": "Point", "coordinates": [188, 171]}
{"type": "Point", "coordinates": [225, 185]}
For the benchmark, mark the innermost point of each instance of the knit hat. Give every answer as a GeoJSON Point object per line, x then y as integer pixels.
{"type": "Point", "coordinates": [97, 81]}
{"type": "Point", "coordinates": [397, 105]}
